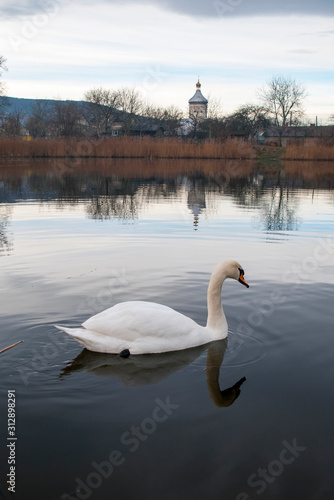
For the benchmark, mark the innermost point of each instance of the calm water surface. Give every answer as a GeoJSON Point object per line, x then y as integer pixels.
{"type": "Point", "coordinates": [77, 237]}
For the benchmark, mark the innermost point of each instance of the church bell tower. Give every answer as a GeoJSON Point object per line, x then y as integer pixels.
{"type": "Point", "coordinates": [198, 105]}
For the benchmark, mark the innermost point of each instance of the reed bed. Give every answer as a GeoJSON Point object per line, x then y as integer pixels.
{"type": "Point", "coordinates": [125, 147]}
{"type": "Point", "coordinates": [308, 151]}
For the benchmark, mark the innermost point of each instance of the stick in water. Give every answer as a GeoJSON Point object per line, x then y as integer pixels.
{"type": "Point", "coordinates": [6, 348]}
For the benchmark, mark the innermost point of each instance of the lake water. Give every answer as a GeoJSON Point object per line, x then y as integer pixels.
{"type": "Point", "coordinates": [79, 236]}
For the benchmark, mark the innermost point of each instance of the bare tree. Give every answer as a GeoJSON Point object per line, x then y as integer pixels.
{"type": "Point", "coordinates": [102, 105]}
{"type": "Point", "coordinates": [171, 117]}
{"type": "Point", "coordinates": [215, 111]}
{"type": "Point", "coordinates": [168, 118]}
{"type": "Point", "coordinates": [282, 98]}
{"type": "Point", "coordinates": [256, 116]}
{"type": "Point", "coordinates": [12, 123]}
{"type": "Point", "coordinates": [66, 119]}
{"type": "Point", "coordinates": [39, 118]}
{"type": "Point", "coordinates": [153, 112]}
{"type": "Point", "coordinates": [247, 120]}
{"type": "Point", "coordinates": [130, 104]}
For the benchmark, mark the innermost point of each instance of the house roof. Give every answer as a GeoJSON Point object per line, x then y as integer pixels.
{"type": "Point", "coordinates": [300, 131]}
{"type": "Point", "coordinates": [146, 128]}
{"type": "Point", "coordinates": [145, 124]}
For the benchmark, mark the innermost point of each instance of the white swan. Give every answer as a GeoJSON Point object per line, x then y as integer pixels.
{"type": "Point", "coordinates": [145, 327]}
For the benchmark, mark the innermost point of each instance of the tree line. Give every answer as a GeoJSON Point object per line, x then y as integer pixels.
{"type": "Point", "coordinates": [280, 103]}
{"type": "Point", "coordinates": [94, 117]}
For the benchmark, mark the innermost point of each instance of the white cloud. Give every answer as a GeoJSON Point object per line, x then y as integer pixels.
{"type": "Point", "coordinates": [161, 53]}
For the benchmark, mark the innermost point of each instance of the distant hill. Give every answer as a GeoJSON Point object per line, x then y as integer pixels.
{"type": "Point", "coordinates": [25, 105]}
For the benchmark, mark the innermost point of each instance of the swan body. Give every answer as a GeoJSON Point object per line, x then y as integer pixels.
{"type": "Point", "coordinates": [147, 327]}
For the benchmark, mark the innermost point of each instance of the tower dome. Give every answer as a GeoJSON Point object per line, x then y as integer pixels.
{"type": "Point", "coordinates": [198, 104]}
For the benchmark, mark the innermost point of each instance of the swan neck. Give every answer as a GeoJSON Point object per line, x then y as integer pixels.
{"type": "Point", "coordinates": [216, 316]}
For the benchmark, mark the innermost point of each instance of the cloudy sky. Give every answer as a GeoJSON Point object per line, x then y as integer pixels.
{"type": "Point", "coordinates": [62, 48]}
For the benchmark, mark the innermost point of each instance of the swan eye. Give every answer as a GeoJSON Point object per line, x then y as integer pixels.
{"type": "Point", "coordinates": [241, 271]}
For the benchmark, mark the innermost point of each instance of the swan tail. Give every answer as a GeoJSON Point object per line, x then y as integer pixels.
{"type": "Point", "coordinates": [81, 335]}
{"type": "Point", "coordinates": [96, 341]}
{"type": "Point", "coordinates": [74, 332]}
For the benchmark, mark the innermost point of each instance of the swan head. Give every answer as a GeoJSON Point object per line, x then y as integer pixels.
{"type": "Point", "coordinates": [235, 271]}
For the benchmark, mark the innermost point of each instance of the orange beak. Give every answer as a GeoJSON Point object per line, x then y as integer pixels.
{"type": "Point", "coordinates": [242, 280]}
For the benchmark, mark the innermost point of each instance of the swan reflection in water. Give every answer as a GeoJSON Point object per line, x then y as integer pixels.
{"type": "Point", "coordinates": [148, 369]}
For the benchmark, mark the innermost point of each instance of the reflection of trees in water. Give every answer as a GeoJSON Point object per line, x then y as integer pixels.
{"type": "Point", "coordinates": [272, 196]}
{"type": "Point", "coordinates": [13, 185]}
{"type": "Point", "coordinates": [276, 201]}
{"type": "Point", "coordinates": [156, 189]}
{"type": "Point", "coordinates": [105, 207]}
{"type": "Point", "coordinates": [6, 244]}
{"type": "Point", "coordinates": [124, 198]}
{"type": "Point", "coordinates": [122, 190]}
{"type": "Point", "coordinates": [278, 211]}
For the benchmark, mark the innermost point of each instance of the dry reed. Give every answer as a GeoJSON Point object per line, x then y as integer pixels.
{"type": "Point", "coordinates": [308, 151]}
{"type": "Point", "coordinates": [125, 147]}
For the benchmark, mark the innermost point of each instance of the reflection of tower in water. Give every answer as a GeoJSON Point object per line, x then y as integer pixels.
{"type": "Point", "coordinates": [196, 202]}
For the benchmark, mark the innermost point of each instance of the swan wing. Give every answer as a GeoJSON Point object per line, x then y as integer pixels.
{"type": "Point", "coordinates": [135, 320]}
